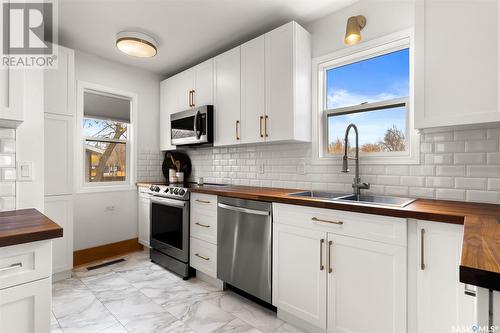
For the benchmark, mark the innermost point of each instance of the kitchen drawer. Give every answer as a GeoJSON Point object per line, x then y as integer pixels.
{"type": "Point", "coordinates": [203, 257]}
{"type": "Point", "coordinates": [391, 230]}
{"type": "Point", "coordinates": [204, 225]}
{"type": "Point", "coordinates": [201, 201]}
{"type": "Point", "coordinates": [24, 263]}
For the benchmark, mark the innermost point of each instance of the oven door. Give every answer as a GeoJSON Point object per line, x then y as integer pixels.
{"type": "Point", "coordinates": [189, 127]}
{"type": "Point", "coordinates": [170, 227]}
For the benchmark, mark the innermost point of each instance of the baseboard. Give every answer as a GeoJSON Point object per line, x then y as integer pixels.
{"type": "Point", "coordinates": [85, 256]}
{"type": "Point", "coordinates": [59, 276]}
{"type": "Point", "coordinates": [210, 280]}
{"type": "Point", "coordinates": [289, 318]}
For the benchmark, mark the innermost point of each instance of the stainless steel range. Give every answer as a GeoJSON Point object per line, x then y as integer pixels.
{"type": "Point", "coordinates": [169, 238]}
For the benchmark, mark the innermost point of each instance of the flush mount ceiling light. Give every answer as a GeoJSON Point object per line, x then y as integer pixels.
{"type": "Point", "coordinates": [353, 30]}
{"type": "Point", "coordinates": [136, 44]}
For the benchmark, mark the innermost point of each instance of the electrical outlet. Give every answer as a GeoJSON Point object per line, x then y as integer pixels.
{"type": "Point", "coordinates": [301, 168]}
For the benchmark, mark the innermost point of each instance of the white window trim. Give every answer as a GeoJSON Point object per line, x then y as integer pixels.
{"type": "Point", "coordinates": [129, 183]}
{"type": "Point", "coordinates": [365, 50]}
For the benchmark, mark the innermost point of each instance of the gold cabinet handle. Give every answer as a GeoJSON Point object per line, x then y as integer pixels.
{"type": "Point", "coordinates": [202, 225]}
{"type": "Point", "coordinates": [202, 257]}
{"type": "Point", "coordinates": [260, 126]}
{"type": "Point", "coordinates": [422, 243]}
{"type": "Point", "coordinates": [330, 266]}
{"type": "Point", "coordinates": [237, 129]}
{"type": "Point", "coordinates": [265, 126]}
{"type": "Point", "coordinates": [202, 201]}
{"type": "Point", "coordinates": [321, 266]}
{"type": "Point", "coordinates": [192, 97]}
{"type": "Point", "coordinates": [315, 219]}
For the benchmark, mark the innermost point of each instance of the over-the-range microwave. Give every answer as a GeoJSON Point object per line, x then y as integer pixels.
{"type": "Point", "coordinates": [193, 127]}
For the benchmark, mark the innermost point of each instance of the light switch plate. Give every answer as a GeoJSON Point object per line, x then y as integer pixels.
{"type": "Point", "coordinates": [24, 171]}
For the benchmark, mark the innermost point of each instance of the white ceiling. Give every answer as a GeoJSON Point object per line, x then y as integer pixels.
{"type": "Point", "coordinates": [188, 31]}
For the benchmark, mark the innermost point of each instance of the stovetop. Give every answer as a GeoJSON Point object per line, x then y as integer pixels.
{"type": "Point", "coordinates": [176, 191]}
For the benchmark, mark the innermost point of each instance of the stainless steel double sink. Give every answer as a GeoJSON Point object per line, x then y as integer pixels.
{"type": "Point", "coordinates": [366, 200]}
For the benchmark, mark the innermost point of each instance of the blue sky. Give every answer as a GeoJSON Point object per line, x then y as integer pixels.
{"type": "Point", "coordinates": [375, 79]}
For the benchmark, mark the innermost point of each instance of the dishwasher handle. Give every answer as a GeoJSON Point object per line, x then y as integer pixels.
{"type": "Point", "coordinates": [244, 210]}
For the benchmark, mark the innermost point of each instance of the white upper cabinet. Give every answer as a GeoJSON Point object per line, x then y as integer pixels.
{"type": "Point", "coordinates": [253, 104]}
{"type": "Point", "coordinates": [227, 98]}
{"type": "Point", "coordinates": [168, 105]}
{"type": "Point", "coordinates": [191, 88]}
{"type": "Point", "coordinates": [457, 62]}
{"type": "Point", "coordinates": [11, 97]}
{"type": "Point", "coordinates": [59, 84]}
{"type": "Point", "coordinates": [288, 83]}
{"type": "Point", "coordinates": [441, 301]}
{"type": "Point", "coordinates": [203, 90]}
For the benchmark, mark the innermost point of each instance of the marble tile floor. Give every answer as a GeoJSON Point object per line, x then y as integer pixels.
{"type": "Point", "coordinates": [139, 296]}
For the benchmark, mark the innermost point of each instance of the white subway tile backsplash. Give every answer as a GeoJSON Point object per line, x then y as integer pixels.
{"type": "Point", "coordinates": [8, 174]}
{"type": "Point", "coordinates": [7, 133]}
{"type": "Point", "coordinates": [471, 183]}
{"type": "Point", "coordinates": [7, 189]}
{"type": "Point", "coordinates": [456, 164]}
{"type": "Point", "coordinates": [482, 146]}
{"type": "Point", "coordinates": [7, 160]}
{"type": "Point", "coordinates": [7, 146]}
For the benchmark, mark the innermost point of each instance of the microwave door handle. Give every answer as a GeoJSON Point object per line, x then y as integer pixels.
{"type": "Point", "coordinates": [197, 132]}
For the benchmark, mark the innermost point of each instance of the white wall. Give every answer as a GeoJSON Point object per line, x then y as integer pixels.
{"type": "Point", "coordinates": [95, 223]}
{"type": "Point", "coordinates": [382, 17]}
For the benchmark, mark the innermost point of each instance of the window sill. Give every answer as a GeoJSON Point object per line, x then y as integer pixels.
{"type": "Point", "coordinates": [106, 188]}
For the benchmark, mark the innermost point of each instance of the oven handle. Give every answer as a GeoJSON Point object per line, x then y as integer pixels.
{"type": "Point", "coordinates": [168, 202]}
{"type": "Point", "coordinates": [244, 210]}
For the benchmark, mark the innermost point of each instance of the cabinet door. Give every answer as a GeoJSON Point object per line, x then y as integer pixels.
{"type": "Point", "coordinates": [58, 154]}
{"type": "Point", "coordinates": [168, 105]}
{"type": "Point", "coordinates": [26, 308]}
{"type": "Point", "coordinates": [59, 84]}
{"type": "Point", "coordinates": [184, 83]}
{"type": "Point", "coordinates": [204, 83]}
{"type": "Point", "coordinates": [253, 91]}
{"type": "Point", "coordinates": [280, 82]}
{"type": "Point", "coordinates": [366, 280]}
{"type": "Point", "coordinates": [60, 210]}
{"type": "Point", "coordinates": [227, 98]}
{"type": "Point", "coordinates": [299, 273]}
{"type": "Point", "coordinates": [457, 77]}
{"type": "Point", "coordinates": [144, 209]}
{"type": "Point", "coordinates": [11, 97]}
{"type": "Point", "coordinates": [441, 302]}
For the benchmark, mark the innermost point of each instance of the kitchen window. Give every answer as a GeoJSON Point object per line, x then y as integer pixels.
{"type": "Point", "coordinates": [368, 85]}
{"type": "Point", "coordinates": [105, 154]}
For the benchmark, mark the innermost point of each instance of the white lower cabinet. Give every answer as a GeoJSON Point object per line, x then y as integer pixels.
{"type": "Point", "coordinates": [366, 286]}
{"type": "Point", "coordinates": [441, 302]}
{"type": "Point", "coordinates": [299, 273]}
{"type": "Point", "coordinates": [144, 219]}
{"type": "Point", "coordinates": [333, 281]}
{"type": "Point", "coordinates": [26, 308]}
{"type": "Point", "coordinates": [25, 287]}
{"type": "Point", "coordinates": [59, 208]}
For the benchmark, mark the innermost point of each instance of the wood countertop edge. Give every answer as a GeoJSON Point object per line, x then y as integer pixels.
{"type": "Point", "coordinates": [26, 226]}
{"type": "Point", "coordinates": [480, 258]}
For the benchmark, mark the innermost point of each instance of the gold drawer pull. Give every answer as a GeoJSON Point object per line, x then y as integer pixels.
{"type": "Point", "coordinates": [13, 266]}
{"type": "Point", "coordinates": [315, 219]}
{"type": "Point", "coordinates": [202, 257]}
{"type": "Point", "coordinates": [321, 266]}
{"type": "Point", "coordinates": [202, 201]}
{"type": "Point", "coordinates": [330, 266]}
{"type": "Point", "coordinates": [202, 225]}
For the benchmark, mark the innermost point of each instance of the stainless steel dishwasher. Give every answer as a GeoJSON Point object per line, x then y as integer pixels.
{"type": "Point", "coordinates": [244, 245]}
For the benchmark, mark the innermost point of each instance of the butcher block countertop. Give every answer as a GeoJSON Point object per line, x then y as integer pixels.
{"type": "Point", "coordinates": [25, 226]}
{"type": "Point", "coordinates": [480, 262]}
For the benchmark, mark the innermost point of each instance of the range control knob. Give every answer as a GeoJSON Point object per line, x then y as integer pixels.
{"type": "Point", "coordinates": [182, 191]}
{"type": "Point", "coordinates": [176, 190]}
{"type": "Point", "coordinates": [152, 188]}
{"type": "Point", "coordinates": [166, 190]}
{"type": "Point", "coordinates": [157, 189]}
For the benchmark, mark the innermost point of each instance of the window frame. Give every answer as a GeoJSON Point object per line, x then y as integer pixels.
{"type": "Point", "coordinates": [366, 50]}
{"type": "Point", "coordinates": [82, 186]}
